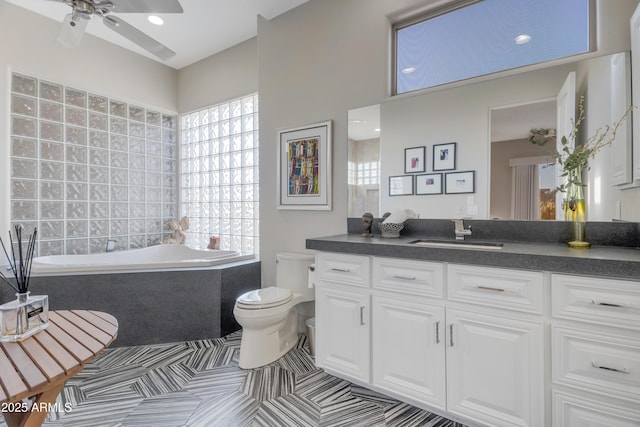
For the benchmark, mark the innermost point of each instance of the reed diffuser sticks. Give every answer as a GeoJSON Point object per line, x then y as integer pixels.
{"type": "Point", "coordinates": [20, 265]}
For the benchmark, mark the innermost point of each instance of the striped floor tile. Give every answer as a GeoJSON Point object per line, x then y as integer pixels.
{"type": "Point", "coordinates": [199, 384]}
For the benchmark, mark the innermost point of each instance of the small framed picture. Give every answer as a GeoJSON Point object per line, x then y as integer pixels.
{"type": "Point", "coordinates": [430, 183]}
{"type": "Point", "coordinates": [401, 185]}
{"type": "Point", "coordinates": [460, 182]}
{"type": "Point", "coordinates": [444, 157]}
{"type": "Point", "coordinates": [414, 160]}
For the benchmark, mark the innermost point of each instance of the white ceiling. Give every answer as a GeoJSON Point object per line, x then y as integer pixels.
{"type": "Point", "coordinates": [515, 122]}
{"type": "Point", "coordinates": [206, 27]}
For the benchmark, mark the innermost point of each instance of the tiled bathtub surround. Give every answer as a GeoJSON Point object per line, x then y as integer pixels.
{"type": "Point", "coordinates": [86, 168]}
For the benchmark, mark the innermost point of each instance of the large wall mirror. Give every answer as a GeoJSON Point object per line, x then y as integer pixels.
{"type": "Point", "coordinates": [490, 122]}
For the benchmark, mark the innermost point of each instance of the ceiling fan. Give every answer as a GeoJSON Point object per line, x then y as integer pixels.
{"type": "Point", "coordinates": [75, 23]}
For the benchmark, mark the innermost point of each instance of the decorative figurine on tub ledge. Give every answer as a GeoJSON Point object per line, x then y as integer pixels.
{"type": "Point", "coordinates": [178, 228]}
{"type": "Point", "coordinates": [214, 242]}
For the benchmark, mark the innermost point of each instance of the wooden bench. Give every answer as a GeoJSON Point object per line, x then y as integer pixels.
{"type": "Point", "coordinates": [38, 366]}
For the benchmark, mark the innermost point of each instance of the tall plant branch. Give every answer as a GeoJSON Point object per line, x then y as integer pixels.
{"type": "Point", "coordinates": [573, 160]}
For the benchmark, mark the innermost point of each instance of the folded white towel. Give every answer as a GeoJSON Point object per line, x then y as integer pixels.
{"type": "Point", "coordinates": [400, 216]}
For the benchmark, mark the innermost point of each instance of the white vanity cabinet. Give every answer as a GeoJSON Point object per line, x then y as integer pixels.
{"type": "Point", "coordinates": [343, 330]}
{"type": "Point", "coordinates": [495, 345]}
{"type": "Point", "coordinates": [478, 354]}
{"type": "Point", "coordinates": [595, 359]}
{"type": "Point", "coordinates": [408, 336]}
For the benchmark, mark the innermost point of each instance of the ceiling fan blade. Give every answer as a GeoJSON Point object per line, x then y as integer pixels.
{"type": "Point", "coordinates": [71, 35]}
{"type": "Point", "coordinates": [137, 36]}
{"type": "Point", "coordinates": [147, 6]}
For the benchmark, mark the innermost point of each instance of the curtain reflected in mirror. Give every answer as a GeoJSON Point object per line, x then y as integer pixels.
{"type": "Point", "coordinates": [364, 161]}
{"type": "Point", "coordinates": [533, 189]}
{"type": "Point", "coordinates": [523, 175]}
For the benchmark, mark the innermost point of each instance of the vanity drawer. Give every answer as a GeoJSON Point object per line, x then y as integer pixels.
{"type": "Point", "coordinates": [408, 276]}
{"type": "Point", "coordinates": [601, 363]}
{"type": "Point", "coordinates": [602, 301]}
{"type": "Point", "coordinates": [496, 287]}
{"type": "Point", "coordinates": [343, 268]}
{"type": "Point", "coordinates": [578, 411]}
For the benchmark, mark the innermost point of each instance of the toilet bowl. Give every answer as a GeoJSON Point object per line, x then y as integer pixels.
{"type": "Point", "coordinates": [269, 317]}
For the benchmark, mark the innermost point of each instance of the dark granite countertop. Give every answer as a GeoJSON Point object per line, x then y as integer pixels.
{"type": "Point", "coordinates": [600, 260]}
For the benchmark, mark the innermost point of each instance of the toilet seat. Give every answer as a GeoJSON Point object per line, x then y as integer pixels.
{"type": "Point", "coordinates": [260, 299]}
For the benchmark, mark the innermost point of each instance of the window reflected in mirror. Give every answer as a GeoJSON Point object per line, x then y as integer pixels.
{"type": "Point", "coordinates": [364, 161]}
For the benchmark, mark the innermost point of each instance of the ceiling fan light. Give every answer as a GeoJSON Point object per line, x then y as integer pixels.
{"type": "Point", "coordinates": [71, 31]}
{"type": "Point", "coordinates": [155, 19]}
{"type": "Point", "coordinates": [111, 22]}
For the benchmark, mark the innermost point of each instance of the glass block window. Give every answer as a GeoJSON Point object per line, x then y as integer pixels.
{"type": "Point", "coordinates": [86, 168]}
{"type": "Point", "coordinates": [484, 37]}
{"type": "Point", "coordinates": [219, 174]}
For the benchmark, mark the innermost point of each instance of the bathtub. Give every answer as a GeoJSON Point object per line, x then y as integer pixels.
{"type": "Point", "coordinates": [159, 294]}
{"type": "Point", "coordinates": [152, 258]}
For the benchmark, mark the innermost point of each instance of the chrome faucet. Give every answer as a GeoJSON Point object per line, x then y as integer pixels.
{"type": "Point", "coordinates": [111, 245]}
{"type": "Point", "coordinates": [460, 230]}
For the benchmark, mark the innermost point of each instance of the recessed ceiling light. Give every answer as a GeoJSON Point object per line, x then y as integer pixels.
{"type": "Point", "coordinates": [523, 38]}
{"type": "Point", "coordinates": [155, 19]}
{"type": "Point", "coordinates": [408, 70]}
{"type": "Point", "coordinates": [376, 130]}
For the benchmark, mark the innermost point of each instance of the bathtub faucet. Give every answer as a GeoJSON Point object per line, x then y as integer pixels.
{"type": "Point", "coordinates": [111, 245]}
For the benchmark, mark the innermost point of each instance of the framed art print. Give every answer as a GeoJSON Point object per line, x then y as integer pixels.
{"type": "Point", "coordinates": [414, 160]}
{"type": "Point", "coordinates": [304, 167]}
{"type": "Point", "coordinates": [401, 185]}
{"type": "Point", "coordinates": [460, 182]}
{"type": "Point", "coordinates": [444, 156]}
{"type": "Point", "coordinates": [430, 183]}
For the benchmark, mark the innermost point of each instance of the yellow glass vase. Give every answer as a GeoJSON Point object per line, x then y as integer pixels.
{"type": "Point", "coordinates": [575, 211]}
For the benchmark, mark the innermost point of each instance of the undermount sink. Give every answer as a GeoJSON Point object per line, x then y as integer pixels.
{"type": "Point", "coordinates": [461, 244]}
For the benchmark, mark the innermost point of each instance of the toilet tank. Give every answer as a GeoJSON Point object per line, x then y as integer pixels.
{"type": "Point", "coordinates": [292, 272]}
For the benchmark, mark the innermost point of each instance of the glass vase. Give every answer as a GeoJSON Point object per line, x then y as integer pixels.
{"type": "Point", "coordinates": [575, 211]}
{"type": "Point", "coordinates": [23, 316]}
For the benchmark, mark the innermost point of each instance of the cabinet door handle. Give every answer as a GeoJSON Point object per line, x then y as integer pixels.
{"type": "Point", "coordinates": [607, 368]}
{"type": "Point", "coordinates": [397, 276]}
{"type": "Point", "coordinates": [362, 315]}
{"type": "Point", "coordinates": [609, 304]}
{"type": "Point", "coordinates": [438, 332]}
{"type": "Point", "coordinates": [490, 288]}
{"type": "Point", "coordinates": [451, 335]}
{"type": "Point", "coordinates": [340, 270]}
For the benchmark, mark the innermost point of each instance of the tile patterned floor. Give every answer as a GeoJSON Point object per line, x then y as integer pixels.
{"type": "Point", "coordinates": [199, 383]}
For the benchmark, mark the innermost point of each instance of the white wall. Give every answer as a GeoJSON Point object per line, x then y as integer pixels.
{"type": "Point", "coordinates": [27, 45]}
{"type": "Point", "coordinates": [218, 78]}
{"type": "Point", "coordinates": [315, 63]}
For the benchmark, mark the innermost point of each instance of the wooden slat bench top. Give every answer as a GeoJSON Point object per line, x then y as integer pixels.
{"type": "Point", "coordinates": [44, 361]}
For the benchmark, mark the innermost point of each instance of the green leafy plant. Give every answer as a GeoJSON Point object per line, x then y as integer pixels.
{"type": "Point", "coordinates": [574, 161]}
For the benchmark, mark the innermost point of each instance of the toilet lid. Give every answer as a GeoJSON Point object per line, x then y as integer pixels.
{"type": "Point", "coordinates": [265, 297]}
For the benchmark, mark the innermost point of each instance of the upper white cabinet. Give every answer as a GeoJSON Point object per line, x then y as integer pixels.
{"type": "Point", "coordinates": [635, 89]}
{"type": "Point", "coordinates": [621, 155]}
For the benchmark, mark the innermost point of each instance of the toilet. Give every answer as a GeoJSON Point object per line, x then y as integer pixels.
{"type": "Point", "coordinates": [269, 317]}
